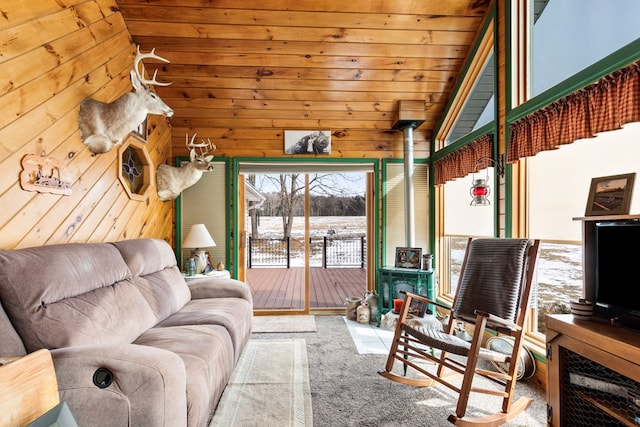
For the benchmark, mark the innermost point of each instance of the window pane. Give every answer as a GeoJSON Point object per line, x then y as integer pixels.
{"type": "Point", "coordinates": [570, 35]}
{"type": "Point", "coordinates": [479, 108]}
{"type": "Point", "coordinates": [394, 213]}
{"type": "Point", "coordinates": [558, 188]}
{"type": "Point", "coordinates": [461, 220]}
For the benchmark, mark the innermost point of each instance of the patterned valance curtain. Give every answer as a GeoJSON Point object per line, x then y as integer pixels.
{"type": "Point", "coordinates": [604, 105]}
{"type": "Point", "coordinates": [463, 161]}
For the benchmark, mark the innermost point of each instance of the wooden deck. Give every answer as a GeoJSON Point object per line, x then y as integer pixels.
{"type": "Point", "coordinates": [283, 288]}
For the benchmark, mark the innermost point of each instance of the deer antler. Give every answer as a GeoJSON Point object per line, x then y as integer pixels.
{"type": "Point", "coordinates": [204, 148]}
{"type": "Point", "coordinates": [140, 72]}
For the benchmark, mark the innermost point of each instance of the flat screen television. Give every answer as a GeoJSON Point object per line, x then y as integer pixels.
{"type": "Point", "coordinates": [617, 270]}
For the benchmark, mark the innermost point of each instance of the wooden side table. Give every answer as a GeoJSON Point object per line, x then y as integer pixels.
{"type": "Point", "coordinates": [28, 387]}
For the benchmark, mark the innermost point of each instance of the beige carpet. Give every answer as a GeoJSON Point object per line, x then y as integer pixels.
{"type": "Point", "coordinates": [269, 387]}
{"type": "Point", "coordinates": [270, 324]}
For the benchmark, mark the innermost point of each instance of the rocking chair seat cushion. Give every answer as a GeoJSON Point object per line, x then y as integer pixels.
{"type": "Point", "coordinates": [450, 343]}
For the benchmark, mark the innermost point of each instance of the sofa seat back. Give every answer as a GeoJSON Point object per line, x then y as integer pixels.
{"type": "Point", "coordinates": [72, 294]}
{"type": "Point", "coordinates": [155, 272]}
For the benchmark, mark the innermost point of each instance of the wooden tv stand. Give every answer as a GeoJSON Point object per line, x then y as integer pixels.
{"type": "Point", "coordinates": [593, 371]}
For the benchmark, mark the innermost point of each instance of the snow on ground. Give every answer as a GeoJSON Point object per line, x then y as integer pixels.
{"type": "Point", "coordinates": [559, 270]}
{"type": "Point", "coordinates": [344, 226]}
{"type": "Point", "coordinates": [319, 226]}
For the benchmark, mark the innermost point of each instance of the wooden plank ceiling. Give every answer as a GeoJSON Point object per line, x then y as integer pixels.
{"type": "Point", "coordinates": [244, 71]}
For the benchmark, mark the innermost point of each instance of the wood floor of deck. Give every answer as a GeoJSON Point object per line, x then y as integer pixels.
{"type": "Point", "coordinates": [283, 288]}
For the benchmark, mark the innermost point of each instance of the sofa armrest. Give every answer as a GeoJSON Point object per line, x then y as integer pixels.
{"type": "Point", "coordinates": [219, 288]}
{"type": "Point", "coordinates": [147, 385]}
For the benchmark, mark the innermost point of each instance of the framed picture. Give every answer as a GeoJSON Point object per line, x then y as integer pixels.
{"type": "Point", "coordinates": [610, 195]}
{"type": "Point", "coordinates": [408, 257]}
{"type": "Point", "coordinates": [307, 142]}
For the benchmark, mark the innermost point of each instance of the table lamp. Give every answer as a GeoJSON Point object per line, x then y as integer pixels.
{"type": "Point", "coordinates": [198, 237]}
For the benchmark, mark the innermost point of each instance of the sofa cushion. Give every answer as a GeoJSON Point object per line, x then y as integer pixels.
{"type": "Point", "coordinates": [234, 314]}
{"type": "Point", "coordinates": [155, 272]}
{"type": "Point", "coordinates": [148, 388]}
{"type": "Point", "coordinates": [10, 343]}
{"type": "Point", "coordinates": [207, 353]}
{"type": "Point", "coordinates": [71, 294]}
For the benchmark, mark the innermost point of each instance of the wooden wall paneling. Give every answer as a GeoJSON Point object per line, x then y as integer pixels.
{"type": "Point", "coordinates": [98, 198]}
{"type": "Point", "coordinates": [20, 35]}
{"type": "Point", "coordinates": [156, 219]}
{"type": "Point", "coordinates": [87, 207]}
{"type": "Point", "coordinates": [283, 64]}
{"type": "Point", "coordinates": [299, 95]}
{"type": "Point", "coordinates": [179, 71]}
{"type": "Point", "coordinates": [306, 123]}
{"type": "Point", "coordinates": [255, 104]}
{"type": "Point", "coordinates": [129, 219]}
{"type": "Point", "coordinates": [242, 72]}
{"type": "Point", "coordinates": [68, 98]}
{"type": "Point", "coordinates": [49, 139]}
{"type": "Point", "coordinates": [238, 134]}
{"type": "Point", "coordinates": [285, 17]}
{"type": "Point", "coordinates": [23, 99]}
{"type": "Point", "coordinates": [450, 7]}
{"type": "Point", "coordinates": [33, 34]}
{"type": "Point", "coordinates": [160, 133]}
{"type": "Point", "coordinates": [241, 114]}
{"type": "Point", "coordinates": [352, 61]}
{"type": "Point", "coordinates": [111, 226]}
{"type": "Point", "coordinates": [54, 57]}
{"type": "Point", "coordinates": [16, 12]}
{"type": "Point", "coordinates": [28, 208]}
{"type": "Point", "coordinates": [232, 141]}
{"type": "Point", "coordinates": [52, 211]}
{"type": "Point", "coordinates": [46, 113]}
{"type": "Point", "coordinates": [84, 231]}
{"type": "Point", "coordinates": [326, 32]}
{"type": "Point", "coordinates": [279, 53]}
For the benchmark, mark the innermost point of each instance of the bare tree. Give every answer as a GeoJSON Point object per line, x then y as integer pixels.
{"type": "Point", "coordinates": [253, 212]}
{"type": "Point", "coordinates": [290, 199]}
{"type": "Point", "coordinates": [291, 192]}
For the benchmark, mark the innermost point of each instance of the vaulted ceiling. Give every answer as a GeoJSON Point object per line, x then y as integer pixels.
{"type": "Point", "coordinates": [244, 71]}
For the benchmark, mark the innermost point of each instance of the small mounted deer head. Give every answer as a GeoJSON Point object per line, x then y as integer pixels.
{"type": "Point", "coordinates": [171, 180]}
{"type": "Point", "coordinates": [102, 126]}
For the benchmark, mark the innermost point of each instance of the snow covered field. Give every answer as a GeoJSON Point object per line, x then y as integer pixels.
{"type": "Point", "coordinates": [344, 226]}
{"type": "Point", "coordinates": [559, 270]}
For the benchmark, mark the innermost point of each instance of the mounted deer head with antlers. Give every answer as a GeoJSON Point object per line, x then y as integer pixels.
{"type": "Point", "coordinates": [171, 180]}
{"type": "Point", "coordinates": [102, 126]}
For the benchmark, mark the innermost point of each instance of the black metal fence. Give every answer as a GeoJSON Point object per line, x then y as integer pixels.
{"type": "Point", "coordinates": [341, 252]}
{"type": "Point", "coordinates": [336, 252]}
{"type": "Point", "coordinates": [269, 252]}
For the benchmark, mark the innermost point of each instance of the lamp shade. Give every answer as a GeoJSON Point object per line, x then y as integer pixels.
{"type": "Point", "coordinates": [198, 237]}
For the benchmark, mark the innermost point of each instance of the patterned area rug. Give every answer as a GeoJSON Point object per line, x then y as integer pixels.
{"type": "Point", "coordinates": [267, 324]}
{"type": "Point", "coordinates": [269, 387]}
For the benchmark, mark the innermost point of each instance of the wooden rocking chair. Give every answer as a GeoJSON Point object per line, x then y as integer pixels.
{"type": "Point", "coordinates": [493, 292]}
